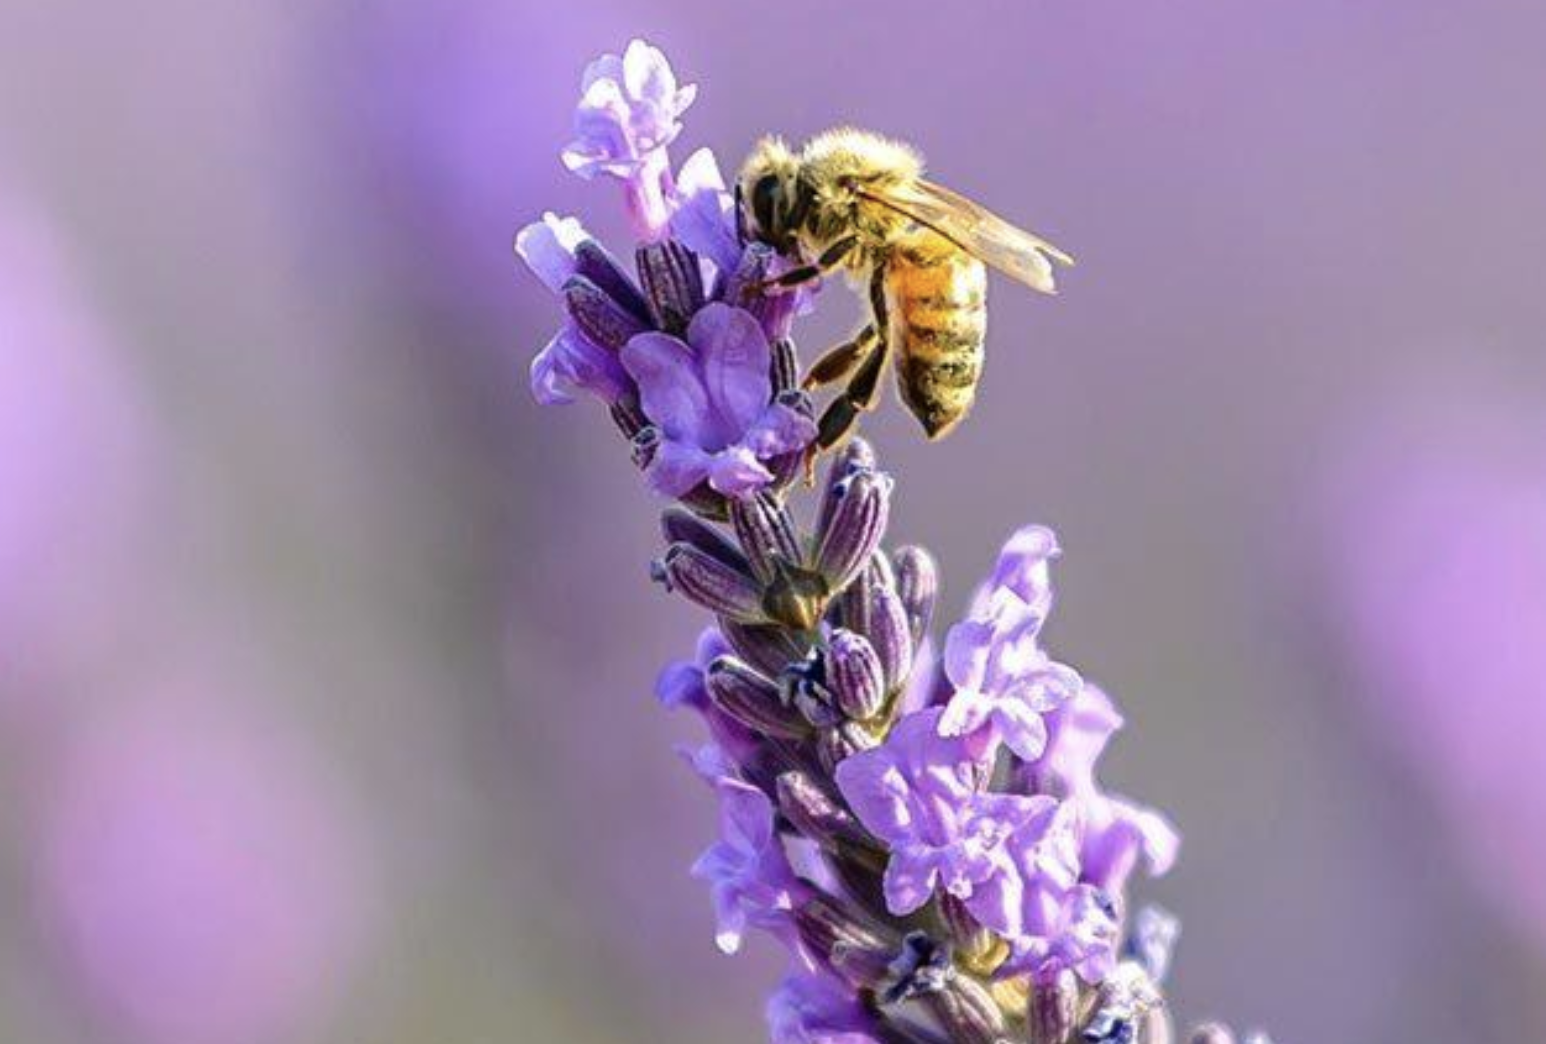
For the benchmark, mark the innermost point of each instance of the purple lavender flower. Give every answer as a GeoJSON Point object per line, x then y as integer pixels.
{"type": "Point", "coordinates": [683, 684]}
{"type": "Point", "coordinates": [1080, 935]}
{"type": "Point", "coordinates": [704, 216]}
{"type": "Point", "coordinates": [1004, 682]}
{"type": "Point", "coordinates": [1116, 832]}
{"type": "Point", "coordinates": [812, 1008]}
{"type": "Point", "coordinates": [571, 362]}
{"type": "Point", "coordinates": [710, 397]}
{"type": "Point", "coordinates": [629, 112]}
{"type": "Point", "coordinates": [746, 869]}
{"type": "Point", "coordinates": [920, 793]}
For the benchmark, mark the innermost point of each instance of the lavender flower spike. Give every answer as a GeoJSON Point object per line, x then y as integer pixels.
{"type": "Point", "coordinates": [928, 838]}
{"type": "Point", "coordinates": [630, 111]}
{"type": "Point", "coordinates": [710, 398]}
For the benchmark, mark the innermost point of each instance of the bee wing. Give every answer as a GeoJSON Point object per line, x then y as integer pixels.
{"type": "Point", "coordinates": [976, 230]}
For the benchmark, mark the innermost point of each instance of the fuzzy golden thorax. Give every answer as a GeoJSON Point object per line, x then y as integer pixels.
{"type": "Point", "coordinates": [813, 199]}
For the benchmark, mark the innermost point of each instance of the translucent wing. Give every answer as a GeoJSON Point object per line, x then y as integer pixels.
{"type": "Point", "coordinates": [976, 230]}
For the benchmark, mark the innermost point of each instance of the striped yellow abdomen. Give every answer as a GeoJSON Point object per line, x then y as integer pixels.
{"type": "Point", "coordinates": [937, 298]}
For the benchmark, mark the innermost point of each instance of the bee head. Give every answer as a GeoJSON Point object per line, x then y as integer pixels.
{"type": "Point", "coordinates": [769, 197]}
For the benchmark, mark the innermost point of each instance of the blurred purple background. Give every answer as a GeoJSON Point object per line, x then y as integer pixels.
{"type": "Point", "coordinates": [325, 655]}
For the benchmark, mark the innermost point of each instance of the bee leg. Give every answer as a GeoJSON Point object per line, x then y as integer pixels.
{"type": "Point", "coordinates": [840, 361]}
{"type": "Point", "coordinates": [797, 277]}
{"type": "Point", "coordinates": [841, 416]}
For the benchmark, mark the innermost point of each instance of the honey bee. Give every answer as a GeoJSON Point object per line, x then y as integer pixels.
{"type": "Point", "coordinates": [854, 201]}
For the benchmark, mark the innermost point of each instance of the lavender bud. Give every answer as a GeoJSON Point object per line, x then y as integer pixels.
{"type": "Point", "coordinates": [917, 584]}
{"type": "Point", "coordinates": [785, 372]}
{"type": "Point", "coordinates": [834, 745]}
{"type": "Point", "coordinates": [890, 634]}
{"type": "Point", "coordinates": [711, 583]}
{"type": "Point", "coordinates": [855, 455]}
{"type": "Point", "coordinates": [1211, 1033]}
{"type": "Point", "coordinates": [854, 675]}
{"type": "Point", "coordinates": [705, 502]}
{"type": "Point", "coordinates": [769, 649]}
{"type": "Point", "coordinates": [596, 263]}
{"type": "Point", "coordinates": [860, 504]}
{"type": "Point", "coordinates": [815, 814]}
{"type": "Point", "coordinates": [673, 284]}
{"type": "Point", "coordinates": [795, 597]}
{"type": "Point", "coordinates": [967, 1012]}
{"type": "Point", "coordinates": [681, 526]}
{"type": "Point", "coordinates": [853, 945]}
{"type": "Point", "coordinates": [600, 318]}
{"type": "Point", "coordinates": [752, 699]}
{"type": "Point", "coordinates": [1052, 1009]}
{"type": "Point", "coordinates": [853, 605]}
{"type": "Point", "coordinates": [766, 532]}
{"type": "Point", "coordinates": [628, 417]}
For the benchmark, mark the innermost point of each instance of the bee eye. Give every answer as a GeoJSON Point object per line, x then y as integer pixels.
{"type": "Point", "coordinates": [765, 193]}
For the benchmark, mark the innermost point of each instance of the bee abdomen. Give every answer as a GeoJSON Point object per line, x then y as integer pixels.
{"type": "Point", "coordinates": [939, 321]}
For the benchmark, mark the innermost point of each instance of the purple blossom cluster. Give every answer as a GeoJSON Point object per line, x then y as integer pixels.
{"type": "Point", "coordinates": [928, 841]}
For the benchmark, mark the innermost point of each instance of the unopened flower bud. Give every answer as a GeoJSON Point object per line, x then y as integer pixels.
{"type": "Point", "coordinates": [598, 316]}
{"type": "Point", "coordinates": [835, 745]}
{"type": "Point", "coordinates": [968, 1012]}
{"type": "Point", "coordinates": [766, 532]}
{"type": "Point", "coordinates": [853, 455]}
{"type": "Point", "coordinates": [917, 584]}
{"type": "Point", "coordinates": [680, 526]}
{"type": "Point", "coordinates": [630, 420]}
{"type": "Point", "coordinates": [816, 814]}
{"type": "Point", "coordinates": [673, 284]}
{"type": "Point", "coordinates": [855, 946]}
{"type": "Point", "coordinates": [752, 699]}
{"type": "Point", "coordinates": [713, 584]}
{"type": "Point", "coordinates": [785, 372]}
{"type": "Point", "coordinates": [890, 635]}
{"type": "Point", "coordinates": [860, 505]}
{"type": "Point", "coordinates": [1052, 1009]}
{"type": "Point", "coordinates": [596, 263]}
{"type": "Point", "coordinates": [769, 649]}
{"type": "Point", "coordinates": [854, 675]}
